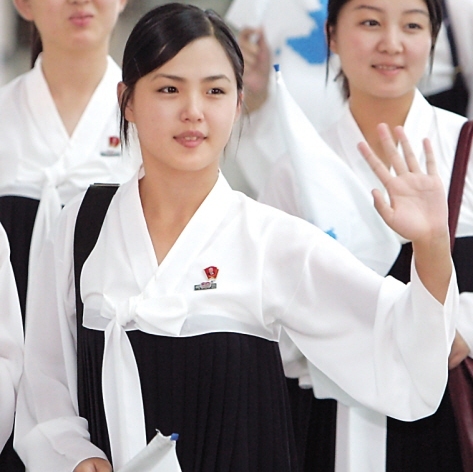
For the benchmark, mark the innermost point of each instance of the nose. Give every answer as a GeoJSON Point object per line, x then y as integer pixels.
{"type": "Point", "coordinates": [192, 109]}
{"type": "Point", "coordinates": [391, 40]}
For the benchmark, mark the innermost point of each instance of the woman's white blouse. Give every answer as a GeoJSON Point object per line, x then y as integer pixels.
{"type": "Point", "coordinates": [384, 343]}
{"type": "Point", "coordinates": [38, 158]}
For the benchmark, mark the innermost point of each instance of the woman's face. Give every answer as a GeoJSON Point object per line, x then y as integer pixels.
{"type": "Point", "coordinates": [72, 24]}
{"type": "Point", "coordinates": [383, 45]}
{"type": "Point", "coordinates": [184, 111]}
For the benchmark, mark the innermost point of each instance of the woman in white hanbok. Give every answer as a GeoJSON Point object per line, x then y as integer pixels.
{"type": "Point", "coordinates": [60, 128]}
{"type": "Point", "coordinates": [383, 48]}
{"type": "Point", "coordinates": [185, 292]}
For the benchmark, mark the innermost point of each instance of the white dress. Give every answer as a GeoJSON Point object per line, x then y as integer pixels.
{"type": "Point", "coordinates": [359, 451]}
{"type": "Point", "coordinates": [40, 162]}
{"type": "Point", "coordinates": [274, 270]}
{"type": "Point", "coordinates": [11, 342]}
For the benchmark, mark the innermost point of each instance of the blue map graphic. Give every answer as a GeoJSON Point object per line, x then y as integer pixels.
{"type": "Point", "coordinates": [313, 48]}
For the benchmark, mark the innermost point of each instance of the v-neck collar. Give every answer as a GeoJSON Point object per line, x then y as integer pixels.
{"type": "Point", "coordinates": [196, 234]}
{"type": "Point", "coordinates": [46, 116]}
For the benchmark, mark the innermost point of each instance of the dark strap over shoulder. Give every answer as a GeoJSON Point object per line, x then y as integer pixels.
{"type": "Point", "coordinates": [88, 225]}
{"type": "Point", "coordinates": [457, 181]}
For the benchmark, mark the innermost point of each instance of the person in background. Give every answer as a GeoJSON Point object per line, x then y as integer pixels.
{"type": "Point", "coordinates": [441, 84]}
{"type": "Point", "coordinates": [383, 48]}
{"type": "Point", "coordinates": [60, 127]}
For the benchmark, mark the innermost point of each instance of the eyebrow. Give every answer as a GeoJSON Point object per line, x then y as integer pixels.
{"type": "Point", "coordinates": [407, 12]}
{"type": "Point", "coordinates": [210, 78]}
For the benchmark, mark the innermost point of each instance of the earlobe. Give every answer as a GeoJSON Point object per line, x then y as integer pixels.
{"type": "Point", "coordinates": [331, 37]}
{"type": "Point", "coordinates": [23, 8]}
{"type": "Point", "coordinates": [123, 4]}
{"type": "Point", "coordinates": [121, 89]}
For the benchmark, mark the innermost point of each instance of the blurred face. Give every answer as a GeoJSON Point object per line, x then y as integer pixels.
{"type": "Point", "coordinates": [184, 111]}
{"type": "Point", "coordinates": [72, 24]}
{"type": "Point", "coordinates": [383, 45]}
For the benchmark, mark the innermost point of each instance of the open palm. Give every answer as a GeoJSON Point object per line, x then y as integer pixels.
{"type": "Point", "coordinates": [417, 207]}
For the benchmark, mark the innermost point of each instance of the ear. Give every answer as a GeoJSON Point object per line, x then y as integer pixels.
{"type": "Point", "coordinates": [129, 115]}
{"type": "Point", "coordinates": [123, 4]}
{"type": "Point", "coordinates": [239, 105]}
{"type": "Point", "coordinates": [24, 9]}
{"type": "Point", "coordinates": [331, 36]}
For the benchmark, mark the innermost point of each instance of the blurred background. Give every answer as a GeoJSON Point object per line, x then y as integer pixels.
{"type": "Point", "coordinates": [15, 33]}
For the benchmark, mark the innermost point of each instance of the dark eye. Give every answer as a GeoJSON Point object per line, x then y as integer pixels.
{"type": "Point", "coordinates": [370, 23]}
{"type": "Point", "coordinates": [414, 26]}
{"type": "Point", "coordinates": [216, 91]}
{"type": "Point", "coordinates": [169, 89]}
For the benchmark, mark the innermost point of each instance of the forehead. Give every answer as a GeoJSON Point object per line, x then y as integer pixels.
{"type": "Point", "coordinates": [202, 57]}
{"type": "Point", "coordinates": [401, 7]}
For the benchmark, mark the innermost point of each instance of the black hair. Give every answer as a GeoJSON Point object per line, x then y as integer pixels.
{"type": "Point", "coordinates": [333, 11]}
{"type": "Point", "coordinates": [159, 36]}
{"type": "Point", "coordinates": [36, 44]}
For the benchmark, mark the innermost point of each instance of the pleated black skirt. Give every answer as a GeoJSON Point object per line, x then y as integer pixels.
{"type": "Point", "coordinates": [225, 395]}
{"type": "Point", "coordinates": [430, 444]}
{"type": "Point", "coordinates": [315, 424]}
{"type": "Point", "coordinates": [17, 215]}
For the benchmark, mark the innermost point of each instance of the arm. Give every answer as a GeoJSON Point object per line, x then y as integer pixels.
{"type": "Point", "coordinates": [257, 67]}
{"type": "Point", "coordinates": [11, 342]}
{"type": "Point", "coordinates": [50, 434]}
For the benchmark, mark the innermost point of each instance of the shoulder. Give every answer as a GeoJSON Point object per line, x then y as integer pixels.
{"type": "Point", "coordinates": [10, 92]}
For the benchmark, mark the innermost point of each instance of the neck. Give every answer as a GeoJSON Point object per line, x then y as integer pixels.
{"type": "Point", "coordinates": [72, 79]}
{"type": "Point", "coordinates": [169, 201]}
{"type": "Point", "coordinates": [368, 112]}
{"type": "Point", "coordinates": [175, 196]}
{"type": "Point", "coordinates": [71, 72]}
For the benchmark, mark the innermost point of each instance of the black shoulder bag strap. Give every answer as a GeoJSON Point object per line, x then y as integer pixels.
{"type": "Point", "coordinates": [88, 225]}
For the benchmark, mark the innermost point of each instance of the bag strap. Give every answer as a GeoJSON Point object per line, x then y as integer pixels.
{"type": "Point", "coordinates": [451, 38]}
{"type": "Point", "coordinates": [457, 180]}
{"type": "Point", "coordinates": [89, 222]}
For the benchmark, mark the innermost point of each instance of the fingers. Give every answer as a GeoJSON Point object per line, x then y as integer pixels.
{"type": "Point", "coordinates": [249, 40]}
{"type": "Point", "coordinates": [409, 156]}
{"type": "Point", "coordinates": [430, 163]}
{"type": "Point", "coordinates": [377, 166]}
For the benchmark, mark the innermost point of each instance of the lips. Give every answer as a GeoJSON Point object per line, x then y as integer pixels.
{"type": "Point", "coordinates": [190, 139]}
{"type": "Point", "coordinates": [387, 67]}
{"type": "Point", "coordinates": [81, 18]}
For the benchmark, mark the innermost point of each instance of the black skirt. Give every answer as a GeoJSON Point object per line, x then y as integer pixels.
{"type": "Point", "coordinates": [17, 215]}
{"type": "Point", "coordinates": [225, 395]}
{"type": "Point", "coordinates": [430, 444]}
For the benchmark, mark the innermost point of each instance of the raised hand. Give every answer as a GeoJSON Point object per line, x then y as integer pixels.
{"type": "Point", "coordinates": [417, 207]}
{"type": "Point", "coordinates": [257, 66]}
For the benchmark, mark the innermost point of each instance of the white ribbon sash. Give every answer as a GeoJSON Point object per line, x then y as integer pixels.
{"type": "Point", "coordinates": [123, 402]}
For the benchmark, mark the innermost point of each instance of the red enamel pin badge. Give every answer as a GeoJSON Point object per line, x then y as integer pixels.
{"type": "Point", "coordinates": [211, 273]}
{"type": "Point", "coordinates": [113, 148]}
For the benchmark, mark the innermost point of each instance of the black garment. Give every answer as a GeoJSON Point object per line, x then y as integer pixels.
{"type": "Point", "coordinates": [429, 444]}
{"type": "Point", "coordinates": [224, 393]}
{"type": "Point", "coordinates": [315, 424]}
{"type": "Point", "coordinates": [17, 215]}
